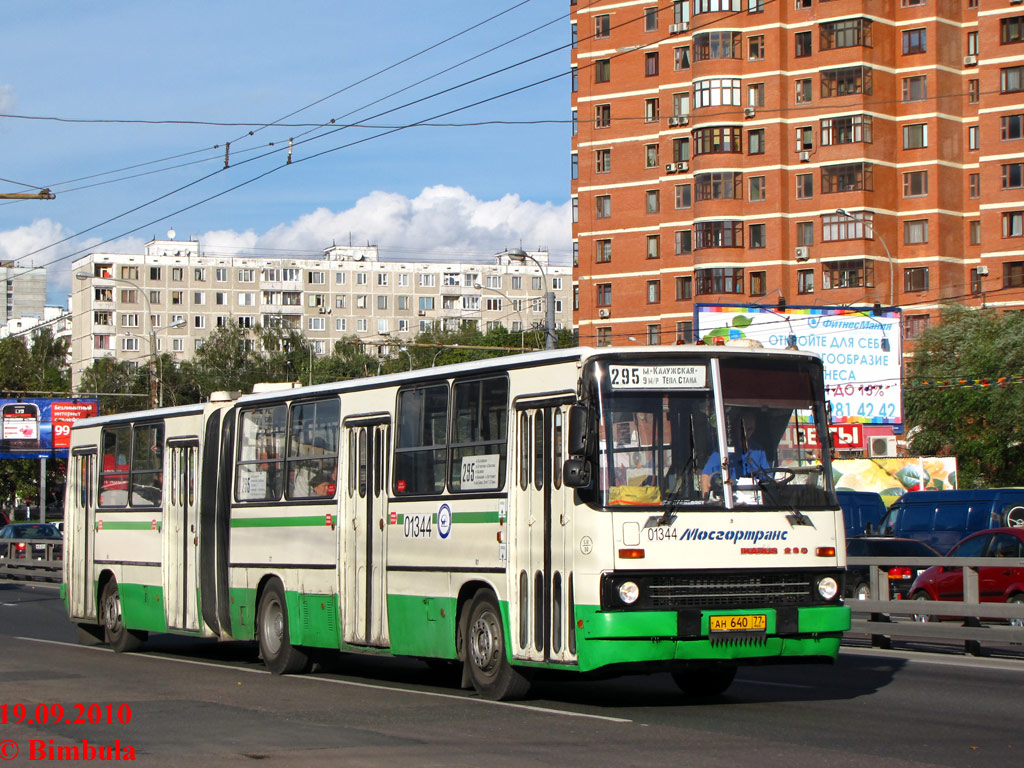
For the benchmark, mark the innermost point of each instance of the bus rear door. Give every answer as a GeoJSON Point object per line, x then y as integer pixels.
{"type": "Point", "coordinates": [181, 585]}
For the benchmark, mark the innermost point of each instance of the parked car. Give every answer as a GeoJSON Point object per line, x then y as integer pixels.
{"type": "Point", "coordinates": [858, 580]}
{"type": "Point", "coordinates": [39, 534]}
{"type": "Point", "coordinates": [942, 518]}
{"type": "Point", "coordinates": [862, 511]}
{"type": "Point", "coordinates": [996, 584]}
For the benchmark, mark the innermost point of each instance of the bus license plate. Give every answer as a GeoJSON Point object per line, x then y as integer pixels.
{"type": "Point", "coordinates": [750, 622]}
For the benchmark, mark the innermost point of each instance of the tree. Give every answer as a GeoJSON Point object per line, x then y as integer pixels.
{"type": "Point", "coordinates": [112, 380]}
{"type": "Point", "coordinates": [955, 405]}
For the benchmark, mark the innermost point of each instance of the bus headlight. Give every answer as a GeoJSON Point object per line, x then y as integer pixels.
{"type": "Point", "coordinates": [629, 592]}
{"type": "Point", "coordinates": [827, 588]}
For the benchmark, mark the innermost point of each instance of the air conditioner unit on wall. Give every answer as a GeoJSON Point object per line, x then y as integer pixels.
{"type": "Point", "coordinates": [983, 269]}
{"type": "Point", "coordinates": [803, 253]}
{"type": "Point", "coordinates": [970, 61]}
{"type": "Point", "coordinates": [805, 156]}
{"type": "Point", "coordinates": [678, 29]}
{"type": "Point", "coordinates": [882, 447]}
{"type": "Point", "coordinates": [749, 111]}
{"type": "Point", "coordinates": [670, 167]}
{"type": "Point", "coordinates": [682, 167]}
{"type": "Point", "coordinates": [677, 120]}
{"type": "Point", "coordinates": [604, 314]}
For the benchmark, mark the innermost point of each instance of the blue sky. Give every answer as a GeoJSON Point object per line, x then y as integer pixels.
{"type": "Point", "coordinates": [453, 191]}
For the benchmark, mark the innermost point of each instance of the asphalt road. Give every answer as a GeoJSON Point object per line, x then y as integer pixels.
{"type": "Point", "coordinates": [200, 703]}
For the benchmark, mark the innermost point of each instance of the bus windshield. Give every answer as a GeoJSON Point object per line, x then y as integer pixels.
{"type": "Point", "coordinates": [713, 433]}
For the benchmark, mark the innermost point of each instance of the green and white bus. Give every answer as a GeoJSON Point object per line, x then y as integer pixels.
{"type": "Point", "coordinates": [640, 509]}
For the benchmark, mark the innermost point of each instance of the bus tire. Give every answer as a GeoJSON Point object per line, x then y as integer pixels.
{"type": "Point", "coordinates": [704, 682]}
{"type": "Point", "coordinates": [116, 634]}
{"type": "Point", "coordinates": [489, 670]}
{"type": "Point", "coordinates": [276, 650]}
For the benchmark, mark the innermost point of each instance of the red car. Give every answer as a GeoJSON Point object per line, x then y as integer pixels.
{"type": "Point", "coordinates": [995, 584]}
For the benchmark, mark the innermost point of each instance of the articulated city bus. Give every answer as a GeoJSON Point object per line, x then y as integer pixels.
{"type": "Point", "coordinates": [643, 508]}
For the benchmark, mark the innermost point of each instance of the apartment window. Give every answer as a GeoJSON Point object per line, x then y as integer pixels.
{"type": "Point", "coordinates": [713, 6]}
{"type": "Point", "coordinates": [716, 92]}
{"type": "Point", "coordinates": [602, 70]}
{"type": "Point", "coordinates": [683, 196]}
{"type": "Point", "coordinates": [972, 137]}
{"type": "Point", "coordinates": [603, 336]}
{"type": "Point", "coordinates": [1011, 127]}
{"type": "Point", "coordinates": [221, 275]}
{"type": "Point", "coordinates": [426, 303]}
{"type": "Point", "coordinates": [653, 246]}
{"type": "Point", "coordinates": [805, 233]}
{"type": "Point", "coordinates": [200, 321]}
{"type": "Point", "coordinates": [684, 241]}
{"type": "Point", "coordinates": [755, 48]}
{"type": "Point", "coordinates": [719, 185]}
{"type": "Point", "coordinates": [914, 326]}
{"type": "Point", "coordinates": [244, 276]}
{"type": "Point", "coordinates": [915, 136]}
{"type": "Point", "coordinates": [804, 186]}
{"type": "Point", "coordinates": [129, 273]}
{"type": "Point", "coordinates": [719, 280]}
{"type": "Point", "coordinates": [847, 33]}
{"type": "Point", "coordinates": [362, 278]}
{"type": "Point", "coordinates": [291, 275]}
{"type": "Point", "coordinates": [972, 43]}
{"type": "Point", "coordinates": [130, 344]}
{"type": "Point", "coordinates": [684, 288]}
{"type": "Point", "coordinates": [915, 279]}
{"type": "Point", "coordinates": [154, 273]}
{"type": "Point", "coordinates": [755, 142]}
{"type": "Point", "coordinates": [602, 25]}
{"type": "Point", "coordinates": [382, 302]}
{"type": "Point", "coordinates": [915, 232]}
{"type": "Point", "coordinates": [756, 236]}
{"type": "Point", "coordinates": [651, 64]}
{"type": "Point", "coordinates": [757, 189]}
{"type": "Point", "coordinates": [855, 273]}
{"type": "Point", "coordinates": [129, 296]}
{"type": "Point", "coordinates": [382, 279]}
{"type": "Point", "coordinates": [915, 41]}
{"type": "Point", "coordinates": [1013, 223]}
{"type": "Point", "coordinates": [651, 19]}
{"type": "Point", "coordinates": [845, 81]}
{"type": "Point", "coordinates": [103, 294]}
{"type": "Point", "coordinates": [361, 325]}
{"type": "Point", "coordinates": [653, 291]}
{"type": "Point", "coordinates": [755, 95]}
{"type": "Point", "coordinates": [716, 140]}
{"type": "Point", "coordinates": [603, 206]}
{"type": "Point", "coordinates": [603, 116]}
{"type": "Point", "coordinates": [846, 130]}
{"type": "Point", "coordinates": [973, 91]}
{"type": "Point", "coordinates": [835, 227]}
{"type": "Point", "coordinates": [681, 58]}
{"type": "Point", "coordinates": [802, 45]}
{"type": "Point", "coordinates": [603, 251]}
{"type": "Point", "coordinates": [1011, 30]}
{"type": "Point", "coordinates": [805, 281]}
{"type": "Point", "coordinates": [974, 230]}
{"type": "Point", "coordinates": [602, 161]}
{"type": "Point", "coordinates": [716, 45]}
{"type": "Point", "coordinates": [177, 274]}
{"type": "Point", "coordinates": [129, 320]}
{"type": "Point", "coordinates": [155, 297]}
{"type": "Point", "coordinates": [684, 328]}
{"type": "Point", "coordinates": [651, 155]}
{"type": "Point", "coordinates": [680, 150]}
{"type": "Point", "coordinates": [653, 198]}
{"type": "Point", "coordinates": [804, 138]}
{"type": "Point", "coordinates": [915, 183]}
{"type": "Point", "coordinates": [574, 166]}
{"type": "Point", "coordinates": [755, 6]}
{"type": "Point", "coordinates": [975, 280]}
{"type": "Point", "coordinates": [654, 334]}
{"type": "Point", "coordinates": [1013, 175]}
{"type": "Point", "coordinates": [803, 90]}
{"type": "Point", "coordinates": [718, 234]}
{"type": "Point", "coordinates": [758, 282]}
{"type": "Point", "coordinates": [915, 88]}
{"type": "Point", "coordinates": [1011, 79]}
{"type": "Point", "coordinates": [604, 294]}
{"type": "Point", "coordinates": [652, 110]}
{"type": "Point", "coordinates": [850, 177]}
{"type": "Point", "coordinates": [1013, 274]}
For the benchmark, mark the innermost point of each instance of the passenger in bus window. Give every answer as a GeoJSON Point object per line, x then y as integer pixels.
{"type": "Point", "coordinates": [322, 485]}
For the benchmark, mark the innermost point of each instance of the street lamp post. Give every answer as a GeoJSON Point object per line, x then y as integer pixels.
{"type": "Point", "coordinates": [518, 254]}
{"type": "Point", "coordinates": [152, 330]}
{"type": "Point", "coordinates": [522, 325]}
{"type": "Point", "coordinates": [870, 225]}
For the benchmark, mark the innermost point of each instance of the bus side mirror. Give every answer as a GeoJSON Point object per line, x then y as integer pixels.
{"type": "Point", "coordinates": [580, 436]}
{"type": "Point", "coordinates": [576, 473]}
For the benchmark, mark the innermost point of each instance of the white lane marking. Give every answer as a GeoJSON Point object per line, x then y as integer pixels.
{"type": "Point", "coordinates": [469, 699]}
{"type": "Point", "coordinates": [917, 657]}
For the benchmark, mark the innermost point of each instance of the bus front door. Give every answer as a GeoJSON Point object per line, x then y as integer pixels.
{"type": "Point", "coordinates": [79, 534]}
{"type": "Point", "coordinates": [365, 609]}
{"type": "Point", "coordinates": [180, 537]}
{"type": "Point", "coordinates": [540, 560]}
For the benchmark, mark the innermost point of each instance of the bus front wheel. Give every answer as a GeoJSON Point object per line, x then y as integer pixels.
{"type": "Point", "coordinates": [704, 682]}
{"type": "Point", "coordinates": [489, 671]}
{"type": "Point", "coordinates": [117, 635]}
{"type": "Point", "coordinates": [276, 650]}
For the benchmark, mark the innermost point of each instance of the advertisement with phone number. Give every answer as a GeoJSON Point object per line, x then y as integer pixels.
{"type": "Point", "coordinates": [36, 428]}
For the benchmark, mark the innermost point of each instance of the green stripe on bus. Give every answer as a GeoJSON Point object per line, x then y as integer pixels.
{"type": "Point", "coordinates": [127, 525]}
{"type": "Point", "coordinates": [278, 522]}
{"type": "Point", "coordinates": [461, 517]}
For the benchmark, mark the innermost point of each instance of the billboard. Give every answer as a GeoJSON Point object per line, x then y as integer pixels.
{"type": "Point", "coordinates": [36, 428]}
{"type": "Point", "coordinates": [862, 350]}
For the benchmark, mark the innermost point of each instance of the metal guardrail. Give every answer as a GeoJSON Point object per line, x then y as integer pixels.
{"type": "Point", "coordinates": [42, 559]}
{"type": "Point", "coordinates": [971, 621]}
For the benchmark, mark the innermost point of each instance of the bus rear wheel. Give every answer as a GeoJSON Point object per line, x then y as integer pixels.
{"type": "Point", "coordinates": [117, 635]}
{"type": "Point", "coordinates": [704, 682]}
{"type": "Point", "coordinates": [489, 670]}
{"type": "Point", "coordinates": [276, 650]}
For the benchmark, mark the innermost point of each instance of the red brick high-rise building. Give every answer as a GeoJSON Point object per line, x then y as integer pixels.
{"type": "Point", "coordinates": [716, 141]}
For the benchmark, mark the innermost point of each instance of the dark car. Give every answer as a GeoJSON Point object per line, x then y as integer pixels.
{"type": "Point", "coordinates": [858, 581]}
{"type": "Point", "coordinates": [995, 584]}
{"type": "Point", "coordinates": [34, 538]}
{"type": "Point", "coordinates": [862, 511]}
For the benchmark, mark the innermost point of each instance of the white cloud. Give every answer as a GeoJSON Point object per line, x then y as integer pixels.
{"type": "Point", "coordinates": [6, 98]}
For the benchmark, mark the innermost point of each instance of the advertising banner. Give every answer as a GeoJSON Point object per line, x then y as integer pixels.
{"type": "Point", "coordinates": [35, 428]}
{"type": "Point", "coordinates": [893, 477]}
{"type": "Point", "coordinates": [862, 350]}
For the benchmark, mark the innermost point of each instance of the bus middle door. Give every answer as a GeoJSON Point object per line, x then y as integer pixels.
{"type": "Point", "coordinates": [181, 582]}
{"type": "Point", "coordinates": [80, 533]}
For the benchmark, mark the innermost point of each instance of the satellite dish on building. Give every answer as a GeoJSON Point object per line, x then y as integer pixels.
{"type": "Point", "coordinates": [170, 234]}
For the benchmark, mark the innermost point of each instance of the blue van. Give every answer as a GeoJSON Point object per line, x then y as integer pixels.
{"type": "Point", "coordinates": [942, 518]}
{"type": "Point", "coordinates": [860, 510]}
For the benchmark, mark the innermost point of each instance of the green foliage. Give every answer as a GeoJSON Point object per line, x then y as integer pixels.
{"type": "Point", "coordinates": [981, 426]}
